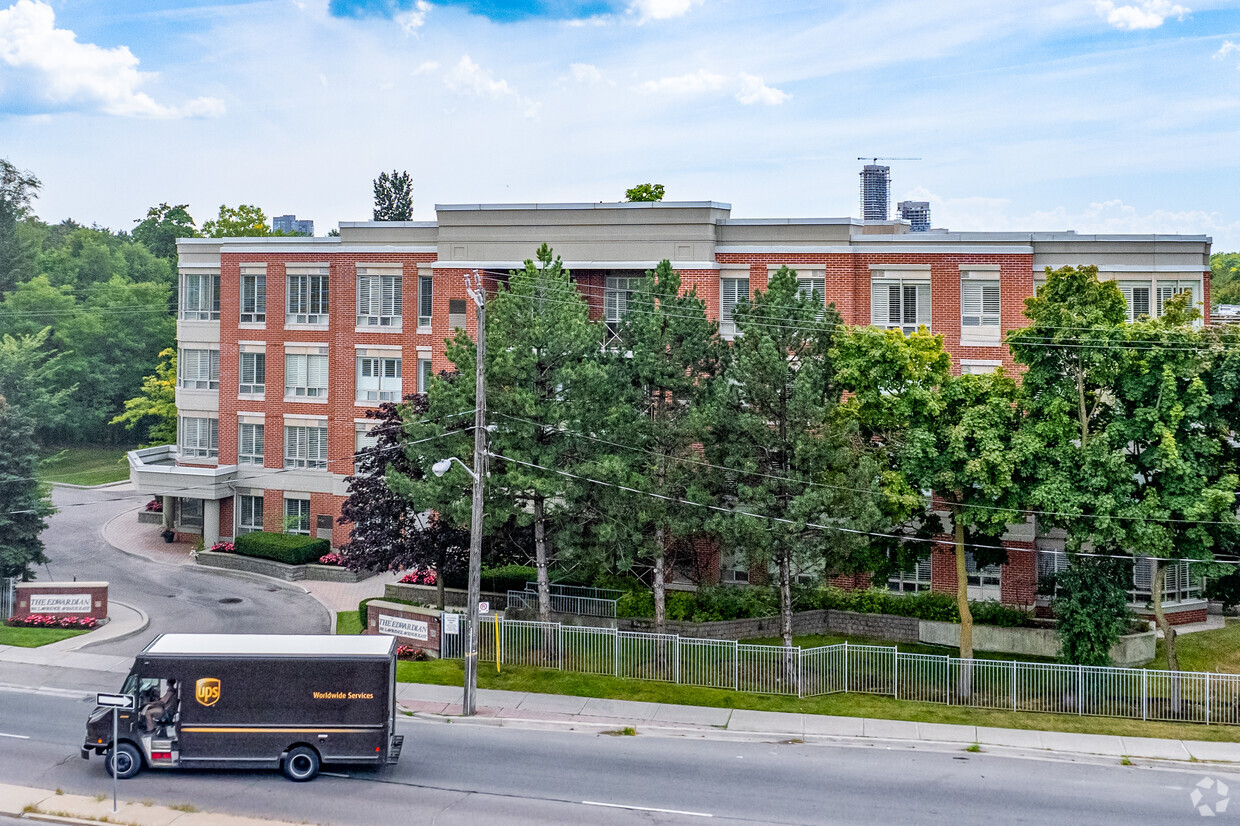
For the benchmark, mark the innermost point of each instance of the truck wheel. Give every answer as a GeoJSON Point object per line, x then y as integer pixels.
{"type": "Point", "coordinates": [128, 761]}
{"type": "Point", "coordinates": [301, 764]}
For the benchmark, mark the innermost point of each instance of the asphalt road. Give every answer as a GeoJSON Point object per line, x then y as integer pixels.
{"type": "Point", "coordinates": [464, 774]}
{"type": "Point", "coordinates": [177, 598]}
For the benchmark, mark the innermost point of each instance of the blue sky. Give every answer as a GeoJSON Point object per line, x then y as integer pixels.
{"type": "Point", "coordinates": [1094, 115]}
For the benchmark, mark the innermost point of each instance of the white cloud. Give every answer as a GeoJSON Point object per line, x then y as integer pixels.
{"type": "Point", "coordinates": [660, 9]}
{"type": "Point", "coordinates": [413, 19]}
{"type": "Point", "coordinates": [746, 88]}
{"type": "Point", "coordinates": [470, 78]}
{"type": "Point", "coordinates": [585, 73]}
{"type": "Point", "coordinates": [1148, 14]}
{"type": "Point", "coordinates": [428, 66]}
{"type": "Point", "coordinates": [1227, 48]}
{"type": "Point", "coordinates": [54, 71]}
{"type": "Point", "coordinates": [753, 90]}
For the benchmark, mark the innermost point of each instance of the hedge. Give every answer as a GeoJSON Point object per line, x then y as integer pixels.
{"type": "Point", "coordinates": [290, 549]}
{"type": "Point", "coordinates": [497, 580]}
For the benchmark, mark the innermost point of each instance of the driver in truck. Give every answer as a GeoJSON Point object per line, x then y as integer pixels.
{"type": "Point", "coordinates": [155, 710]}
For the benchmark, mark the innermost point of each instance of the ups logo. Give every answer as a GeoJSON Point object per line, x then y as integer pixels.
{"type": "Point", "coordinates": [207, 691]}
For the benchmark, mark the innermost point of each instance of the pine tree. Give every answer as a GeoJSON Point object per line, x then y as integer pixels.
{"type": "Point", "coordinates": [24, 504]}
{"type": "Point", "coordinates": [393, 196]}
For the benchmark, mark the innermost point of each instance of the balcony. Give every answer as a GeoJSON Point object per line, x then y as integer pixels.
{"type": "Point", "coordinates": [154, 471]}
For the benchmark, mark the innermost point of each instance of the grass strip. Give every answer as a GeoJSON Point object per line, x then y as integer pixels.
{"type": "Point", "coordinates": [550, 681]}
{"type": "Point", "coordinates": [34, 637]}
{"type": "Point", "coordinates": [85, 465]}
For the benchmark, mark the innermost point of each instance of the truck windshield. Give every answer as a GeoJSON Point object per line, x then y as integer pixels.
{"type": "Point", "coordinates": [131, 684]}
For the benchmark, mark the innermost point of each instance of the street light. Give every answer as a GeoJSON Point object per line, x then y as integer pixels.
{"type": "Point", "coordinates": [444, 465]}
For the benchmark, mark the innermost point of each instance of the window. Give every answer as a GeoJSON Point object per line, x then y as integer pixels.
{"type": "Point", "coordinates": [305, 376]}
{"type": "Point", "coordinates": [1166, 290]}
{"type": "Point", "coordinates": [456, 313]}
{"type": "Point", "coordinates": [812, 283]}
{"type": "Point", "coordinates": [297, 516]}
{"type": "Point", "coordinates": [249, 444]}
{"type": "Point", "coordinates": [200, 297]}
{"type": "Point", "coordinates": [735, 575]}
{"type": "Point", "coordinates": [253, 297]}
{"type": "Point", "coordinates": [732, 291]}
{"type": "Point", "coordinates": [979, 312]}
{"type": "Point", "coordinates": [199, 437]}
{"type": "Point", "coordinates": [617, 295]}
{"type": "Point", "coordinates": [900, 302]}
{"type": "Point", "coordinates": [975, 367]}
{"type": "Point", "coordinates": [305, 447]}
{"type": "Point", "coordinates": [378, 300]}
{"type": "Point", "coordinates": [1137, 297]}
{"type": "Point", "coordinates": [189, 513]}
{"type": "Point", "coordinates": [307, 299]}
{"type": "Point", "coordinates": [365, 438]}
{"type": "Point", "coordinates": [988, 576]}
{"type": "Point", "coordinates": [424, 301]}
{"type": "Point", "coordinates": [199, 369]}
{"type": "Point", "coordinates": [378, 379]}
{"type": "Point", "coordinates": [249, 514]}
{"type": "Point", "coordinates": [424, 374]}
{"type": "Point", "coordinates": [253, 374]}
{"type": "Point", "coordinates": [916, 579]}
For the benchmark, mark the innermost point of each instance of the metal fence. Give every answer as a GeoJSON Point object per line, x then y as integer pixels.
{"type": "Point", "coordinates": [577, 600]}
{"type": "Point", "coordinates": [1135, 693]}
{"type": "Point", "coordinates": [8, 597]}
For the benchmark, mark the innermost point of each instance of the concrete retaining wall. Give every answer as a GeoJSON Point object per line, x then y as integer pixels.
{"type": "Point", "coordinates": [280, 570]}
{"type": "Point", "coordinates": [1132, 649]}
{"type": "Point", "coordinates": [876, 626]}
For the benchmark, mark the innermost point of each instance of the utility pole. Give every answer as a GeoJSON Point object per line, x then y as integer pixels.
{"type": "Point", "coordinates": [479, 296]}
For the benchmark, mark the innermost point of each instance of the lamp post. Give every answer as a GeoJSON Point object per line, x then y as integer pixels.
{"type": "Point", "coordinates": [479, 473]}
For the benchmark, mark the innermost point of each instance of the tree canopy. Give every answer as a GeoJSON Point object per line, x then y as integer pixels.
{"type": "Point", "coordinates": [644, 192]}
{"type": "Point", "coordinates": [393, 196]}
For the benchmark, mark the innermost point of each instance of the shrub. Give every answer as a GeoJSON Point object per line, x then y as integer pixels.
{"type": "Point", "coordinates": [408, 652]}
{"type": "Point", "coordinates": [998, 614]}
{"type": "Point", "coordinates": [224, 547]}
{"type": "Point", "coordinates": [507, 578]}
{"type": "Point", "coordinates": [420, 576]}
{"type": "Point", "coordinates": [282, 547]}
{"type": "Point", "coordinates": [52, 621]}
{"type": "Point", "coordinates": [331, 559]}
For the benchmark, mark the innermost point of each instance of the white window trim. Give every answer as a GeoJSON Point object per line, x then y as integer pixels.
{"type": "Point", "coordinates": [284, 514]}
{"type": "Point", "coordinates": [424, 321]}
{"type": "Point", "coordinates": [241, 527]}
{"type": "Point", "coordinates": [293, 460]}
{"type": "Point", "coordinates": [255, 271]}
{"type": "Point", "coordinates": [306, 398]}
{"type": "Point", "coordinates": [313, 321]}
{"type": "Point", "coordinates": [212, 303]}
{"type": "Point", "coordinates": [251, 457]}
{"type": "Point", "coordinates": [988, 332]}
{"type": "Point", "coordinates": [390, 322]}
{"type": "Point", "coordinates": [383, 391]}
{"type": "Point", "coordinates": [906, 277]}
{"type": "Point", "coordinates": [727, 324]}
{"type": "Point", "coordinates": [252, 393]}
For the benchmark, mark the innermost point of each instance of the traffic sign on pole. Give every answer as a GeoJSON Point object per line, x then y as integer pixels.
{"type": "Point", "coordinates": [124, 701]}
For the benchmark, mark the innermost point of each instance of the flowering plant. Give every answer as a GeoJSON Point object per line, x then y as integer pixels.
{"type": "Point", "coordinates": [331, 559]}
{"type": "Point", "coordinates": [422, 576]}
{"type": "Point", "coordinates": [224, 547]}
{"type": "Point", "coordinates": [408, 652]}
{"type": "Point", "coordinates": [52, 621]}
{"type": "Point", "coordinates": [155, 506]}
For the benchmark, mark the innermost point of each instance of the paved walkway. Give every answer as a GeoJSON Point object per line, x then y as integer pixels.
{"type": "Point", "coordinates": [52, 806]}
{"type": "Point", "coordinates": [526, 709]}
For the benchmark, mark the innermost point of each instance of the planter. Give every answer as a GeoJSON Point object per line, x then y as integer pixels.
{"type": "Point", "coordinates": [280, 570]}
{"type": "Point", "coordinates": [150, 518]}
{"type": "Point", "coordinates": [429, 594]}
{"type": "Point", "coordinates": [169, 536]}
{"type": "Point", "coordinates": [1131, 650]}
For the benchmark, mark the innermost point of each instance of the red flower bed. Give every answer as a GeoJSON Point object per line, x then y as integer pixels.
{"type": "Point", "coordinates": [408, 652]}
{"type": "Point", "coordinates": [224, 547]}
{"type": "Point", "coordinates": [52, 621]}
{"type": "Point", "coordinates": [155, 506]}
{"type": "Point", "coordinates": [419, 577]}
{"type": "Point", "coordinates": [331, 559]}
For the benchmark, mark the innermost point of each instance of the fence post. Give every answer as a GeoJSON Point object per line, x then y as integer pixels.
{"type": "Point", "coordinates": [615, 653]}
{"type": "Point", "coordinates": [947, 678]}
{"type": "Point", "coordinates": [736, 665]}
{"type": "Point", "coordinates": [676, 657]}
{"type": "Point", "coordinates": [559, 645]}
{"type": "Point", "coordinates": [845, 666]}
{"type": "Point", "coordinates": [1207, 698]}
{"type": "Point", "coordinates": [895, 671]}
{"type": "Point", "coordinates": [1013, 685]}
{"type": "Point", "coordinates": [1080, 689]}
{"type": "Point", "coordinates": [1145, 694]}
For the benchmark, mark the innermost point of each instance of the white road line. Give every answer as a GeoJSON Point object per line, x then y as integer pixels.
{"type": "Point", "coordinates": [47, 692]}
{"type": "Point", "coordinates": [646, 809]}
{"type": "Point", "coordinates": [15, 736]}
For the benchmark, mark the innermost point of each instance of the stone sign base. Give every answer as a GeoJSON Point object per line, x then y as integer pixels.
{"type": "Point", "coordinates": [410, 625]}
{"type": "Point", "coordinates": [69, 599]}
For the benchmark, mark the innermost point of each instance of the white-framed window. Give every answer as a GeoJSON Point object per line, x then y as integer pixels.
{"type": "Point", "coordinates": [378, 378]}
{"type": "Point", "coordinates": [249, 444]}
{"type": "Point", "coordinates": [735, 575]}
{"type": "Point", "coordinates": [249, 513]}
{"type": "Point", "coordinates": [1166, 290]}
{"type": "Point", "coordinates": [198, 437]}
{"type": "Point", "coordinates": [425, 303]}
{"type": "Point", "coordinates": [307, 298]}
{"type": "Point", "coordinates": [364, 439]}
{"type": "Point", "coordinates": [199, 369]}
{"type": "Point", "coordinates": [617, 294]}
{"type": "Point", "coordinates": [988, 577]}
{"type": "Point", "coordinates": [917, 579]}
{"type": "Point", "coordinates": [900, 302]}
{"type": "Point", "coordinates": [305, 446]}
{"type": "Point", "coordinates": [305, 376]}
{"type": "Point", "coordinates": [978, 367]}
{"type": "Point", "coordinates": [253, 295]}
{"type": "Point", "coordinates": [456, 313]}
{"type": "Point", "coordinates": [979, 311]}
{"type": "Point", "coordinates": [812, 282]}
{"type": "Point", "coordinates": [200, 296]}
{"type": "Point", "coordinates": [297, 516]}
{"type": "Point", "coordinates": [378, 300]}
{"type": "Point", "coordinates": [732, 291]}
{"type": "Point", "coordinates": [252, 372]}
{"type": "Point", "coordinates": [1137, 299]}
{"type": "Point", "coordinates": [424, 374]}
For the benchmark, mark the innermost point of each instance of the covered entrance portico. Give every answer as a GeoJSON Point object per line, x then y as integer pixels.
{"type": "Point", "coordinates": [191, 495]}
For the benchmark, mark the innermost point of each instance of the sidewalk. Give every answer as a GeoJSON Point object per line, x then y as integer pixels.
{"type": "Point", "coordinates": [51, 806]}
{"type": "Point", "coordinates": [525, 709]}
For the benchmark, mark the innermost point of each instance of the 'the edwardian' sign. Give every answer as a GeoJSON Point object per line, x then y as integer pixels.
{"type": "Point", "coordinates": [60, 603]}
{"type": "Point", "coordinates": [401, 627]}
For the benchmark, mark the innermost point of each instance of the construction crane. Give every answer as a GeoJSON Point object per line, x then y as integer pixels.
{"type": "Point", "coordinates": [877, 159]}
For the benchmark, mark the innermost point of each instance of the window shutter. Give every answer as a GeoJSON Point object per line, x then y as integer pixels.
{"type": "Point", "coordinates": [260, 294]}
{"type": "Point", "coordinates": [317, 372]}
{"type": "Point", "coordinates": [971, 304]}
{"type": "Point", "coordinates": [878, 304]}
{"type": "Point", "coordinates": [364, 304]}
{"type": "Point", "coordinates": [1140, 301]}
{"type": "Point", "coordinates": [923, 305]}
{"type": "Point", "coordinates": [990, 303]}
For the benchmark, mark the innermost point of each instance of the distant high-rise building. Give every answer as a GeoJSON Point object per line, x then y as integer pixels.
{"type": "Point", "coordinates": [875, 192]}
{"type": "Point", "coordinates": [289, 223]}
{"type": "Point", "coordinates": [917, 213]}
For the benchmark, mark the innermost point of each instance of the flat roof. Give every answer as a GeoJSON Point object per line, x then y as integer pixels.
{"type": "Point", "coordinates": [587, 205]}
{"type": "Point", "coordinates": [272, 645]}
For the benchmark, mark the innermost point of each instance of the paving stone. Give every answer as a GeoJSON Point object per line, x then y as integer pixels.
{"type": "Point", "coordinates": [15, 798]}
{"type": "Point", "coordinates": [552, 702]}
{"type": "Point", "coordinates": [1220, 752]}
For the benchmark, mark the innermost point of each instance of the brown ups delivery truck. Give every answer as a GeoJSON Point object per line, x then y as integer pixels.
{"type": "Point", "coordinates": [254, 701]}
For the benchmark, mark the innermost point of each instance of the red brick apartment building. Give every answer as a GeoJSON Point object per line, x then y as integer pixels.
{"type": "Point", "coordinates": [284, 343]}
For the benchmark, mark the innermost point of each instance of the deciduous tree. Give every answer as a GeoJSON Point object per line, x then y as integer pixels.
{"type": "Point", "coordinates": [162, 226]}
{"type": "Point", "coordinates": [393, 196]}
{"type": "Point", "coordinates": [155, 408]}
{"type": "Point", "coordinates": [239, 221]}
{"type": "Point", "coordinates": [23, 502]}
{"type": "Point", "coordinates": [644, 192]}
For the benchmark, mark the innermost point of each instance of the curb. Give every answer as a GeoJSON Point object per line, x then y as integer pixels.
{"type": "Point", "coordinates": [104, 535]}
{"type": "Point", "coordinates": [104, 486]}
{"type": "Point", "coordinates": [144, 623]}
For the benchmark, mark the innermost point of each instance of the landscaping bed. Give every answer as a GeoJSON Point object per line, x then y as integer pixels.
{"type": "Point", "coordinates": [280, 570]}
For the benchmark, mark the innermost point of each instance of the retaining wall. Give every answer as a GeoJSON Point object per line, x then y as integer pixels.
{"type": "Point", "coordinates": [280, 570]}
{"type": "Point", "coordinates": [452, 597]}
{"type": "Point", "coordinates": [1132, 649]}
{"type": "Point", "coordinates": [876, 626]}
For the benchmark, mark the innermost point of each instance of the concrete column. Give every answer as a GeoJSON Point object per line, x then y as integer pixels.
{"type": "Point", "coordinates": [168, 505]}
{"type": "Point", "coordinates": [210, 522]}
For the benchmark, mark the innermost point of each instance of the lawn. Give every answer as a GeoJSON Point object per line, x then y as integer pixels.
{"type": "Point", "coordinates": [548, 681]}
{"type": "Point", "coordinates": [817, 640]}
{"type": "Point", "coordinates": [1217, 650]}
{"type": "Point", "coordinates": [85, 465]}
{"type": "Point", "coordinates": [34, 637]}
{"type": "Point", "coordinates": [348, 622]}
